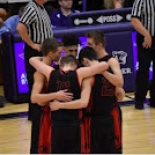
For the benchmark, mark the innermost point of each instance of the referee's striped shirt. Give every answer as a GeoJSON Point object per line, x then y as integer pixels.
{"type": "Point", "coordinates": [145, 11]}
{"type": "Point", "coordinates": [37, 21]}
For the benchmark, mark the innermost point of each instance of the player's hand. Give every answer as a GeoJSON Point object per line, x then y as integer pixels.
{"type": "Point", "coordinates": [147, 41]}
{"type": "Point", "coordinates": [120, 93]}
{"type": "Point", "coordinates": [55, 105]}
{"type": "Point", "coordinates": [63, 95]}
{"type": "Point", "coordinates": [36, 47]}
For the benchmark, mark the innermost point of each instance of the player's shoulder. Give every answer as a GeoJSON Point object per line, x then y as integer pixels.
{"type": "Point", "coordinates": [91, 80]}
{"type": "Point", "coordinates": [38, 75]}
{"type": "Point", "coordinates": [113, 60]}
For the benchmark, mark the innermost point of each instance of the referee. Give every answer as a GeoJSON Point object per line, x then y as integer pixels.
{"type": "Point", "coordinates": [143, 20]}
{"type": "Point", "coordinates": [34, 27]}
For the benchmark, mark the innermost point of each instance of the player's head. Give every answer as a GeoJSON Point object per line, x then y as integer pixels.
{"type": "Point", "coordinates": [96, 40]}
{"type": "Point", "coordinates": [52, 48]}
{"type": "Point", "coordinates": [69, 60]}
{"type": "Point", "coordinates": [71, 42]}
{"type": "Point", "coordinates": [86, 55]}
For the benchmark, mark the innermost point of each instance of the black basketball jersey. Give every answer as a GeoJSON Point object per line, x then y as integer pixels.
{"type": "Point", "coordinates": [103, 94]}
{"type": "Point", "coordinates": [61, 80]}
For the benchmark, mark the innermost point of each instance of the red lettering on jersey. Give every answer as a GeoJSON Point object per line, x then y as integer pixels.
{"type": "Point", "coordinates": [107, 88]}
{"type": "Point", "coordinates": [63, 85]}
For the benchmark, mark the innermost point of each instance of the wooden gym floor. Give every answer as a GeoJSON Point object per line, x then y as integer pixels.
{"type": "Point", "coordinates": [138, 128]}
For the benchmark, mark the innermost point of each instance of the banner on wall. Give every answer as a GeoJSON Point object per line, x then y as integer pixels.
{"type": "Point", "coordinates": [121, 48]}
{"type": "Point", "coordinates": [101, 17]}
{"type": "Point", "coordinates": [119, 44]}
{"type": "Point", "coordinates": [21, 75]}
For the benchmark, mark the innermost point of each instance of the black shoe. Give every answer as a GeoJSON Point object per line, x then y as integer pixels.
{"type": "Point", "coordinates": [139, 105]}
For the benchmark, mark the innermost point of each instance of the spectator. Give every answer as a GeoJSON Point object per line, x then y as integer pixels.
{"type": "Point", "coordinates": [51, 5]}
{"type": "Point", "coordinates": [1, 22]}
{"type": "Point", "coordinates": [113, 4]}
{"type": "Point", "coordinates": [61, 17]}
{"type": "Point", "coordinates": [3, 15]}
{"type": "Point", "coordinates": [11, 23]}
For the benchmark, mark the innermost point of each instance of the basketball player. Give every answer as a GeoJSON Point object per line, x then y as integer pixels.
{"type": "Point", "coordinates": [101, 125]}
{"type": "Point", "coordinates": [71, 43]}
{"type": "Point", "coordinates": [96, 40]}
{"type": "Point", "coordinates": [66, 123]}
{"type": "Point", "coordinates": [52, 50]}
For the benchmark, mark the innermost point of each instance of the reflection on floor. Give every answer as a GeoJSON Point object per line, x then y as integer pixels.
{"type": "Point", "coordinates": [138, 128]}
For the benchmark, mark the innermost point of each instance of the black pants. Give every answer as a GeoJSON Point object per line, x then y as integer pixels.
{"type": "Point", "coordinates": [35, 128]}
{"type": "Point", "coordinates": [102, 135]}
{"type": "Point", "coordinates": [120, 149]}
{"type": "Point", "coordinates": [34, 112]}
{"type": "Point", "coordinates": [28, 53]}
{"type": "Point", "coordinates": [145, 56]}
{"type": "Point", "coordinates": [66, 138]}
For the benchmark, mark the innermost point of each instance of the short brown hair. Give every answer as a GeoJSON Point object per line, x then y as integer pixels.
{"type": "Point", "coordinates": [68, 59]}
{"type": "Point", "coordinates": [97, 35]}
{"type": "Point", "coordinates": [50, 45]}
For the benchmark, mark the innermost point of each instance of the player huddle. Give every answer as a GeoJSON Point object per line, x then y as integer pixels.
{"type": "Point", "coordinates": [80, 112]}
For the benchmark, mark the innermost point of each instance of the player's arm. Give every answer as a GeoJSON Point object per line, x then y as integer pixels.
{"type": "Point", "coordinates": [38, 97]}
{"type": "Point", "coordinates": [84, 72]}
{"type": "Point", "coordinates": [79, 103]}
{"type": "Point", "coordinates": [115, 78]}
{"type": "Point", "coordinates": [40, 66]}
{"type": "Point", "coordinates": [37, 88]}
{"type": "Point", "coordinates": [119, 93]}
